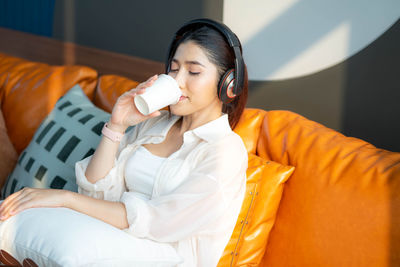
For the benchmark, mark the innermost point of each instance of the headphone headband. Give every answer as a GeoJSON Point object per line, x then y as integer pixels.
{"type": "Point", "coordinates": [220, 27]}
{"type": "Point", "coordinates": [231, 39]}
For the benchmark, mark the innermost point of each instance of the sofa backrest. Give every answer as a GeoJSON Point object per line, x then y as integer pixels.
{"type": "Point", "coordinates": [33, 86]}
{"type": "Point", "coordinates": [109, 88]}
{"type": "Point", "coordinates": [341, 206]}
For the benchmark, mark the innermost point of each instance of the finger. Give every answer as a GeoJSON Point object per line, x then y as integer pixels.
{"type": "Point", "coordinates": [12, 206]}
{"type": "Point", "coordinates": [148, 83]}
{"type": "Point", "coordinates": [141, 86]}
{"type": "Point", "coordinates": [139, 92]}
{"type": "Point", "coordinates": [133, 92]}
{"type": "Point", "coordinates": [10, 198]}
{"type": "Point", "coordinates": [153, 78]}
{"type": "Point", "coordinates": [126, 97]}
{"type": "Point", "coordinates": [25, 193]}
{"type": "Point", "coordinates": [130, 95]}
{"type": "Point", "coordinates": [136, 91]}
{"type": "Point", "coordinates": [154, 114]}
{"type": "Point", "coordinates": [24, 204]}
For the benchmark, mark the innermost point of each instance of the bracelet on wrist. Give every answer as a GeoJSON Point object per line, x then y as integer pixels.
{"type": "Point", "coordinates": [112, 135]}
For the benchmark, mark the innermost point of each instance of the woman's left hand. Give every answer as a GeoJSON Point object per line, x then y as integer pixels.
{"type": "Point", "coordinates": [31, 198]}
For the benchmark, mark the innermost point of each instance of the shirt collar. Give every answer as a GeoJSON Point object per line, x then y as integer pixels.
{"type": "Point", "coordinates": [162, 127]}
{"type": "Point", "coordinates": [209, 132]}
{"type": "Point", "coordinates": [213, 130]}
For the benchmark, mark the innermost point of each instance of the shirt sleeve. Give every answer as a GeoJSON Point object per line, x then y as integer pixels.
{"type": "Point", "coordinates": [218, 180]}
{"type": "Point", "coordinates": [109, 188]}
{"type": "Point", "coordinates": [112, 185]}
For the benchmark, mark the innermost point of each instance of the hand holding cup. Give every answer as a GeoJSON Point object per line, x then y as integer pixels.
{"type": "Point", "coordinates": [163, 92]}
{"type": "Point", "coordinates": [125, 113]}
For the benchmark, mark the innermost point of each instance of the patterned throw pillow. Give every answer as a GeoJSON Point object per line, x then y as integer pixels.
{"type": "Point", "coordinates": [70, 133]}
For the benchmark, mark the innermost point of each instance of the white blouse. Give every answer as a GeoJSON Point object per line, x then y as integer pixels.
{"type": "Point", "coordinates": [197, 194]}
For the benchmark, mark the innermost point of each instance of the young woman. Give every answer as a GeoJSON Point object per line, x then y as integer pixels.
{"type": "Point", "coordinates": [179, 176]}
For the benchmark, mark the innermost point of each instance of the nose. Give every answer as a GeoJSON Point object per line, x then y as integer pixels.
{"type": "Point", "coordinates": [180, 79]}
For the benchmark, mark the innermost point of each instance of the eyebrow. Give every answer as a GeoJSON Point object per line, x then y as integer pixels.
{"type": "Point", "coordinates": [190, 62]}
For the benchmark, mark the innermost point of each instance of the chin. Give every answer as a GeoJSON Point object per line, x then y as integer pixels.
{"type": "Point", "coordinates": [178, 110]}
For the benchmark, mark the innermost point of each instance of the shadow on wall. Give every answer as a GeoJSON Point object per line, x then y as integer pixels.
{"type": "Point", "coordinates": [309, 28]}
{"type": "Point", "coordinates": [372, 92]}
{"type": "Point", "coordinates": [357, 96]}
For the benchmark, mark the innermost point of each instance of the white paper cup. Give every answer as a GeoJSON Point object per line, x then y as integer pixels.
{"type": "Point", "coordinates": [165, 91]}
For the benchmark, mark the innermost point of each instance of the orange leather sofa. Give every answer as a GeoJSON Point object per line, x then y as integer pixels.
{"type": "Point", "coordinates": [339, 207]}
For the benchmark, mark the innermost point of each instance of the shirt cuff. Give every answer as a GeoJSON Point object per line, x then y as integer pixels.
{"type": "Point", "coordinates": [137, 214]}
{"type": "Point", "coordinates": [97, 189]}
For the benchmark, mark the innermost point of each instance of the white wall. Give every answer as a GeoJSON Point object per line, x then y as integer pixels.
{"type": "Point", "coordinates": [283, 39]}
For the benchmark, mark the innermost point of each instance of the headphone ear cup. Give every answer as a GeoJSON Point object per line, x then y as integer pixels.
{"type": "Point", "coordinates": [227, 81]}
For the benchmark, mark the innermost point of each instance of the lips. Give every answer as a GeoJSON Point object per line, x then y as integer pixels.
{"type": "Point", "coordinates": [183, 98]}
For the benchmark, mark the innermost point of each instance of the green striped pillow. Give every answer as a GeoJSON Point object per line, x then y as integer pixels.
{"type": "Point", "coordinates": [70, 133]}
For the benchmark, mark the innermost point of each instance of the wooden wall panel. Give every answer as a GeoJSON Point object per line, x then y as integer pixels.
{"type": "Point", "coordinates": [54, 52]}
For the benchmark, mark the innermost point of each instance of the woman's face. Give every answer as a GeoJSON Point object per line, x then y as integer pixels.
{"type": "Point", "coordinates": [198, 78]}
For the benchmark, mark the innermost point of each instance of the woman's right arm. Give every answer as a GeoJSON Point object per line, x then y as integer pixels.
{"type": "Point", "coordinates": [124, 114]}
{"type": "Point", "coordinates": [103, 158]}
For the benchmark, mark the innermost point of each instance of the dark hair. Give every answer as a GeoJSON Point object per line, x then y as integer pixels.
{"type": "Point", "coordinates": [221, 55]}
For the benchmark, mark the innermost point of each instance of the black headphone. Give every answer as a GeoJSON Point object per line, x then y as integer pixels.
{"type": "Point", "coordinates": [232, 77]}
